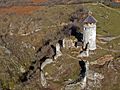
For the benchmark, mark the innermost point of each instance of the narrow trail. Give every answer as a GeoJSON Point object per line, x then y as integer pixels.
{"type": "Point", "coordinates": [106, 49]}
{"type": "Point", "coordinates": [74, 57]}
{"type": "Point", "coordinates": [110, 8]}
{"type": "Point", "coordinates": [109, 38]}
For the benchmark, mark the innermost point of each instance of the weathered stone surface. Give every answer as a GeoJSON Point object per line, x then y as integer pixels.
{"type": "Point", "coordinates": [94, 75]}
{"type": "Point", "coordinates": [47, 61]}
{"type": "Point", "coordinates": [73, 87]}
{"type": "Point", "coordinates": [68, 43]}
{"type": "Point", "coordinates": [94, 79]}
{"type": "Point", "coordinates": [43, 80]}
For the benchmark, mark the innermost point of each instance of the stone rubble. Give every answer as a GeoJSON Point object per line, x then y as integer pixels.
{"type": "Point", "coordinates": [43, 80]}
{"type": "Point", "coordinates": [94, 79]}
{"type": "Point", "coordinates": [68, 43]}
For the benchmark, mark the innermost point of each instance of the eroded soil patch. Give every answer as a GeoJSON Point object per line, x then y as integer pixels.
{"type": "Point", "coordinates": [20, 9]}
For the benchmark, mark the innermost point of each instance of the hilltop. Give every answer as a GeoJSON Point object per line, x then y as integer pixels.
{"type": "Point", "coordinates": [23, 34]}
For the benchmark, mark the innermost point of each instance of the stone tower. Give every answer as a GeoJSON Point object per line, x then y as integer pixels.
{"type": "Point", "coordinates": [89, 32]}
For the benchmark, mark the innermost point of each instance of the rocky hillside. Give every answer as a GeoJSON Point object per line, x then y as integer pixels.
{"type": "Point", "coordinates": [28, 36]}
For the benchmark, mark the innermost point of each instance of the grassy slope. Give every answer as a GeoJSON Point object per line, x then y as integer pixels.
{"type": "Point", "coordinates": [108, 22]}
{"type": "Point", "coordinates": [59, 14]}
{"type": "Point", "coordinates": [111, 25]}
{"type": "Point", "coordinates": [108, 19]}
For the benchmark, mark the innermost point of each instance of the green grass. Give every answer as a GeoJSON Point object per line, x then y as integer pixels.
{"type": "Point", "coordinates": [110, 25]}
{"type": "Point", "coordinates": [114, 44]}
{"type": "Point", "coordinates": [55, 16]}
{"type": "Point", "coordinates": [108, 19]}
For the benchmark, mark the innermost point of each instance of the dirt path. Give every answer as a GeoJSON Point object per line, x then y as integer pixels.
{"type": "Point", "coordinates": [74, 57]}
{"type": "Point", "coordinates": [106, 49]}
{"type": "Point", "coordinates": [110, 8]}
{"type": "Point", "coordinates": [109, 38]}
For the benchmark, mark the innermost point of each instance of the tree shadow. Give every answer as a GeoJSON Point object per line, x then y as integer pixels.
{"type": "Point", "coordinates": [83, 68]}
{"type": "Point", "coordinates": [76, 33]}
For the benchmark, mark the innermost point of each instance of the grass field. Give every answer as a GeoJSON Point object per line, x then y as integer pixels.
{"type": "Point", "coordinates": [49, 20]}
{"type": "Point", "coordinates": [108, 19]}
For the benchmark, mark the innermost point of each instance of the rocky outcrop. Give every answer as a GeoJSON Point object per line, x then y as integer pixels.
{"type": "Point", "coordinates": [68, 43]}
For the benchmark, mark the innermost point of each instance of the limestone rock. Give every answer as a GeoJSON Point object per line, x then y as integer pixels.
{"type": "Point", "coordinates": [94, 79]}
{"type": "Point", "coordinates": [73, 86]}
{"type": "Point", "coordinates": [68, 43]}
{"type": "Point", "coordinates": [92, 75]}
{"type": "Point", "coordinates": [47, 61]}
{"type": "Point", "coordinates": [43, 80]}
{"type": "Point", "coordinates": [22, 69]}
